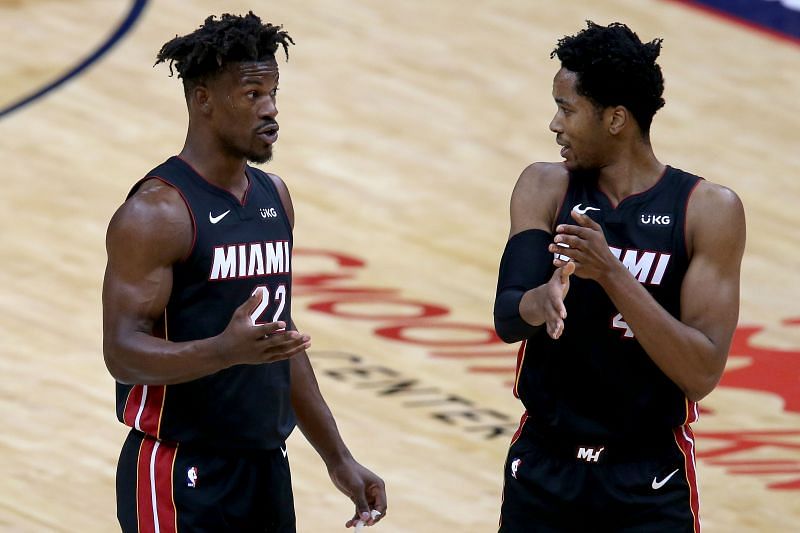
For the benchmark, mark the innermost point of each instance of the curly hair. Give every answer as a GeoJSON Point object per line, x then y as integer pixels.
{"type": "Point", "coordinates": [614, 67]}
{"type": "Point", "coordinates": [218, 42]}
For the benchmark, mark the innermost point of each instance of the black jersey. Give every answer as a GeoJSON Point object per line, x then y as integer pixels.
{"type": "Point", "coordinates": [239, 248]}
{"type": "Point", "coordinates": [596, 381]}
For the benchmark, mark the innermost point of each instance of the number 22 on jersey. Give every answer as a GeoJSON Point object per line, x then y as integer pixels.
{"type": "Point", "coordinates": [256, 317]}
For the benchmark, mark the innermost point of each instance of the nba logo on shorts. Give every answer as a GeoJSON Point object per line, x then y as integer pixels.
{"type": "Point", "coordinates": [191, 475]}
{"type": "Point", "coordinates": [514, 467]}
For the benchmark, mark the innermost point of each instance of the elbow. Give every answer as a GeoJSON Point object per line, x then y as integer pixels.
{"type": "Point", "coordinates": [506, 334]}
{"type": "Point", "coordinates": [114, 362]}
{"type": "Point", "coordinates": [702, 385]}
{"type": "Point", "coordinates": [514, 329]}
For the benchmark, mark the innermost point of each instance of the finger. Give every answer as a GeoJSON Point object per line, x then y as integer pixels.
{"type": "Point", "coordinates": [566, 271]}
{"type": "Point", "coordinates": [379, 504]}
{"type": "Point", "coordinates": [249, 305]}
{"type": "Point", "coordinates": [285, 349]}
{"type": "Point", "coordinates": [570, 229]}
{"type": "Point", "coordinates": [272, 327]}
{"type": "Point", "coordinates": [555, 329]}
{"type": "Point", "coordinates": [585, 220]}
{"type": "Point", "coordinates": [565, 241]}
{"type": "Point", "coordinates": [560, 310]}
{"type": "Point", "coordinates": [562, 252]}
{"type": "Point", "coordinates": [374, 516]}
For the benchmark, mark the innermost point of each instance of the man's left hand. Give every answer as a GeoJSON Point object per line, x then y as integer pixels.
{"type": "Point", "coordinates": [364, 488]}
{"type": "Point", "coordinates": [588, 248]}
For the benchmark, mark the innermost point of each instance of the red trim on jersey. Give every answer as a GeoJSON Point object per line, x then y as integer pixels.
{"type": "Point", "coordinates": [634, 195]}
{"type": "Point", "coordinates": [685, 216]}
{"type": "Point", "coordinates": [518, 370]}
{"type": "Point", "coordinates": [684, 438]}
{"type": "Point", "coordinates": [144, 407]}
{"type": "Point", "coordinates": [150, 421]}
{"type": "Point", "coordinates": [560, 207]}
{"type": "Point", "coordinates": [518, 432]}
{"type": "Point", "coordinates": [154, 480]}
{"type": "Point", "coordinates": [241, 202]}
{"type": "Point", "coordinates": [132, 404]}
{"type": "Point", "coordinates": [692, 412]}
{"type": "Point", "coordinates": [188, 208]}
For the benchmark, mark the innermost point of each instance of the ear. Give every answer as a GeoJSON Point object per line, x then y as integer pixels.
{"type": "Point", "coordinates": [617, 118]}
{"type": "Point", "coordinates": [200, 98]}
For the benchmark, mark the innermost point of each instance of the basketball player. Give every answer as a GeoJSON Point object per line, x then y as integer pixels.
{"type": "Point", "coordinates": [621, 277]}
{"type": "Point", "coordinates": [212, 375]}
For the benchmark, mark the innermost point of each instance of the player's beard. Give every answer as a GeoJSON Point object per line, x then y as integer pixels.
{"type": "Point", "coordinates": [260, 158]}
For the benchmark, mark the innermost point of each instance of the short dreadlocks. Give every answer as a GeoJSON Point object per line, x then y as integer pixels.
{"type": "Point", "coordinates": [218, 42]}
{"type": "Point", "coordinates": [615, 67]}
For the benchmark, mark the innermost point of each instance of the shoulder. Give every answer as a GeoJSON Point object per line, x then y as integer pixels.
{"type": "Point", "coordinates": [283, 192]}
{"type": "Point", "coordinates": [543, 177]}
{"type": "Point", "coordinates": [155, 217]}
{"type": "Point", "coordinates": [714, 215]}
{"type": "Point", "coordinates": [537, 196]}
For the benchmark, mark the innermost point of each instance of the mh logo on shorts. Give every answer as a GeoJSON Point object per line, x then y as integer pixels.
{"type": "Point", "coordinates": [589, 455]}
{"type": "Point", "coordinates": [191, 475]}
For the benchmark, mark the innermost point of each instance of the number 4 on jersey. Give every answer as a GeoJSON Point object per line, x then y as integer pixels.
{"type": "Point", "coordinates": [280, 297]}
{"type": "Point", "coordinates": [619, 323]}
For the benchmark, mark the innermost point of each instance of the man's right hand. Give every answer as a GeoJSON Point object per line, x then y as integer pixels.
{"type": "Point", "coordinates": [545, 304]}
{"type": "Point", "coordinates": [245, 343]}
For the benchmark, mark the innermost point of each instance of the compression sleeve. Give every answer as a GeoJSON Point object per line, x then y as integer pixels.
{"type": "Point", "coordinates": [526, 264]}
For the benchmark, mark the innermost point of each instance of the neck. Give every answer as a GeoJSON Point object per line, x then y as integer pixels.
{"type": "Point", "coordinates": [631, 172]}
{"type": "Point", "coordinates": [214, 165]}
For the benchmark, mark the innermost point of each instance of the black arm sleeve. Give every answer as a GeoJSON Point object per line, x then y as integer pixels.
{"type": "Point", "coordinates": [525, 265]}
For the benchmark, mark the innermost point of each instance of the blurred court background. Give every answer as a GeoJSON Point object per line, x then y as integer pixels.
{"type": "Point", "coordinates": [404, 126]}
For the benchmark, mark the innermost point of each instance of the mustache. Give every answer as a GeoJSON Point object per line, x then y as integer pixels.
{"type": "Point", "coordinates": [267, 125]}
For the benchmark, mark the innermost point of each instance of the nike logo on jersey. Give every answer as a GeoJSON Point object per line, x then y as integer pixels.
{"type": "Point", "coordinates": [214, 219]}
{"type": "Point", "coordinates": [658, 484]}
{"type": "Point", "coordinates": [583, 211]}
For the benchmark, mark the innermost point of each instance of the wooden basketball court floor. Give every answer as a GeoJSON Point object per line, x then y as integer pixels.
{"type": "Point", "coordinates": [403, 128]}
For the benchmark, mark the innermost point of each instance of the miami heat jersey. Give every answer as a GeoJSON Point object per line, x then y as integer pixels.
{"type": "Point", "coordinates": [596, 381]}
{"type": "Point", "coordinates": [240, 247]}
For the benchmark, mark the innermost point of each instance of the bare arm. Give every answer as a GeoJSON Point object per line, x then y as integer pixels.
{"type": "Point", "coordinates": [365, 489]}
{"type": "Point", "coordinates": [314, 418]}
{"type": "Point", "coordinates": [691, 351]}
{"type": "Point", "coordinates": [149, 234]}
{"type": "Point", "coordinates": [534, 205]}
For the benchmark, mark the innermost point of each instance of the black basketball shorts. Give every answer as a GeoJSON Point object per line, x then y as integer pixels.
{"type": "Point", "coordinates": [166, 487]}
{"type": "Point", "coordinates": [553, 487]}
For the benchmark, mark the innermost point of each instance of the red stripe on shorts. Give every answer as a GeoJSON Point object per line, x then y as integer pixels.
{"type": "Point", "coordinates": [684, 438]}
{"type": "Point", "coordinates": [520, 359]}
{"type": "Point", "coordinates": [155, 505]}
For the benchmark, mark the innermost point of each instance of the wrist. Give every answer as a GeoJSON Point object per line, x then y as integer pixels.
{"type": "Point", "coordinates": [219, 351]}
{"type": "Point", "coordinates": [530, 306]}
{"type": "Point", "coordinates": [337, 458]}
{"type": "Point", "coordinates": [611, 276]}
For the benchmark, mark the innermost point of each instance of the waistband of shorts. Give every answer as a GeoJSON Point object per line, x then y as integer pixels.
{"type": "Point", "coordinates": [200, 446]}
{"type": "Point", "coordinates": [620, 448]}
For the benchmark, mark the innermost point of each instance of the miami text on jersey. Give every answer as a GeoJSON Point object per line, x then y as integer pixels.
{"type": "Point", "coordinates": [253, 259]}
{"type": "Point", "coordinates": [641, 264]}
